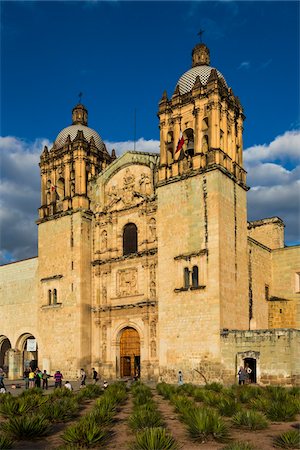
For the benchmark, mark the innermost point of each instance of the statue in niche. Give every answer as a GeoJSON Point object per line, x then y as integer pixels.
{"type": "Point", "coordinates": [128, 179]}
{"type": "Point", "coordinates": [152, 228]}
{"type": "Point", "coordinates": [152, 289]}
{"type": "Point", "coordinates": [153, 349]}
{"type": "Point", "coordinates": [128, 282]}
{"type": "Point", "coordinates": [104, 330]}
{"type": "Point", "coordinates": [72, 189]}
{"type": "Point", "coordinates": [153, 329]}
{"type": "Point", "coordinates": [145, 184]}
{"type": "Point", "coordinates": [128, 189]}
{"type": "Point", "coordinates": [104, 240]}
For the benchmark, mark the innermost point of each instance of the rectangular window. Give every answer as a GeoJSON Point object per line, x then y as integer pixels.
{"type": "Point", "coordinates": [297, 282]}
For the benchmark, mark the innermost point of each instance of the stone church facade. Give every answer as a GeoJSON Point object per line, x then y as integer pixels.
{"type": "Point", "coordinates": [146, 262]}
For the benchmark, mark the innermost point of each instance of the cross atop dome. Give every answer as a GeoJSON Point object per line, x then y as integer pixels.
{"type": "Point", "coordinates": [200, 54]}
{"type": "Point", "coordinates": [80, 115]}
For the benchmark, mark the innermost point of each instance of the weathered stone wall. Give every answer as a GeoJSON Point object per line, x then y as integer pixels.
{"type": "Point", "coordinates": [18, 317]}
{"type": "Point", "coordinates": [260, 283]}
{"type": "Point", "coordinates": [277, 354]}
{"type": "Point", "coordinates": [285, 293]}
{"type": "Point", "coordinates": [64, 265]}
{"type": "Point", "coordinates": [269, 232]}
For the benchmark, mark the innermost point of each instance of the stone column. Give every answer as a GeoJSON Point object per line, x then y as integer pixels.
{"type": "Point", "coordinates": [197, 132]}
{"type": "Point", "coordinates": [163, 150]}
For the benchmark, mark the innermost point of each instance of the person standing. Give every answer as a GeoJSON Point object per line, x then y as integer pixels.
{"type": "Point", "coordinates": [2, 386]}
{"type": "Point", "coordinates": [95, 375]}
{"type": "Point", "coordinates": [31, 377]}
{"type": "Point", "coordinates": [82, 378]}
{"type": "Point", "coordinates": [242, 375]}
{"type": "Point", "coordinates": [180, 378]}
{"type": "Point", "coordinates": [26, 377]}
{"type": "Point", "coordinates": [45, 377]}
{"type": "Point", "coordinates": [57, 379]}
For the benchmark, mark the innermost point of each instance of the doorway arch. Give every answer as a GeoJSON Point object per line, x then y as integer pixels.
{"type": "Point", "coordinates": [5, 345]}
{"type": "Point", "coordinates": [28, 347]}
{"type": "Point", "coordinates": [130, 353]}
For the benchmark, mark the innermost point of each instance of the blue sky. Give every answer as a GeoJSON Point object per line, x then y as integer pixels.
{"type": "Point", "coordinates": [122, 56]}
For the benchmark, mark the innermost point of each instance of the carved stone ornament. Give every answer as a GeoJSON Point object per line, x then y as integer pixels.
{"type": "Point", "coordinates": [153, 349]}
{"type": "Point", "coordinates": [153, 329]}
{"type": "Point", "coordinates": [152, 228]}
{"type": "Point", "coordinates": [104, 240]}
{"type": "Point", "coordinates": [127, 282]}
{"type": "Point", "coordinates": [145, 184]}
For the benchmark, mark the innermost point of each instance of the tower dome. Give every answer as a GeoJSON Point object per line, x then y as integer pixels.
{"type": "Point", "coordinates": [200, 67]}
{"type": "Point", "coordinates": [79, 123]}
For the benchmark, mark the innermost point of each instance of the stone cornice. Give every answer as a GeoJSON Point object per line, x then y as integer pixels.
{"type": "Point", "coordinates": [143, 304]}
{"type": "Point", "coordinates": [188, 256]}
{"type": "Point", "coordinates": [53, 277]}
{"type": "Point", "coordinates": [150, 252]}
{"type": "Point", "coordinates": [259, 244]}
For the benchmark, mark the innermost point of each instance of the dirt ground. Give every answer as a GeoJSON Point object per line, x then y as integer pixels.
{"type": "Point", "coordinates": [122, 436]}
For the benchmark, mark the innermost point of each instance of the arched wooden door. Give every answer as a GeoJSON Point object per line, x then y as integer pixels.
{"type": "Point", "coordinates": [129, 353]}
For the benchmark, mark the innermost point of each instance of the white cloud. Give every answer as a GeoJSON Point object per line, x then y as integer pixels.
{"type": "Point", "coordinates": [244, 65]}
{"type": "Point", "coordinates": [141, 145]}
{"type": "Point", "coordinates": [283, 148]}
{"type": "Point", "coordinates": [273, 175]}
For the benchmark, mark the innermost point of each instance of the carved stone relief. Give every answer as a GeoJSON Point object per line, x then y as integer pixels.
{"type": "Point", "coordinates": [153, 349]}
{"type": "Point", "coordinates": [145, 184]}
{"type": "Point", "coordinates": [152, 228]}
{"type": "Point", "coordinates": [152, 289]}
{"type": "Point", "coordinates": [104, 332]}
{"type": "Point", "coordinates": [153, 329]}
{"type": "Point", "coordinates": [127, 282]}
{"type": "Point", "coordinates": [104, 240]}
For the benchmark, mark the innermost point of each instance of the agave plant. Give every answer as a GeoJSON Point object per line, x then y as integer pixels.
{"type": "Point", "coordinates": [217, 387]}
{"type": "Point", "coordinates": [5, 442]}
{"type": "Point", "coordinates": [188, 388]}
{"type": "Point", "coordinates": [228, 406]}
{"type": "Point", "coordinates": [61, 410]}
{"type": "Point", "coordinates": [86, 433]}
{"type": "Point", "coordinates": [239, 446]}
{"type": "Point", "coordinates": [250, 419]}
{"type": "Point", "coordinates": [166, 390]}
{"type": "Point", "coordinates": [204, 422]}
{"type": "Point", "coordinates": [211, 398]}
{"type": "Point", "coordinates": [282, 411]}
{"type": "Point", "coordinates": [289, 439]}
{"type": "Point", "coordinates": [154, 439]}
{"type": "Point", "coordinates": [181, 403]}
{"type": "Point", "coordinates": [199, 394]}
{"type": "Point", "coordinates": [277, 393]}
{"type": "Point", "coordinates": [143, 418]}
{"type": "Point", "coordinates": [260, 404]}
{"type": "Point", "coordinates": [26, 427]}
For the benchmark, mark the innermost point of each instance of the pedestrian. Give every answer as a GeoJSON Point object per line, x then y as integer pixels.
{"type": "Point", "coordinates": [68, 385]}
{"type": "Point", "coordinates": [31, 377]}
{"type": "Point", "coordinates": [26, 377]}
{"type": "Point", "coordinates": [38, 377]}
{"type": "Point", "coordinates": [57, 379]}
{"type": "Point", "coordinates": [2, 386]}
{"type": "Point", "coordinates": [45, 377]}
{"type": "Point", "coordinates": [248, 373]}
{"type": "Point", "coordinates": [82, 378]}
{"type": "Point", "coordinates": [105, 384]}
{"type": "Point", "coordinates": [242, 375]}
{"type": "Point", "coordinates": [180, 378]}
{"type": "Point", "coordinates": [95, 375]}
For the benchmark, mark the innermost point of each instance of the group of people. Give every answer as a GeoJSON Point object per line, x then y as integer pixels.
{"type": "Point", "coordinates": [35, 378]}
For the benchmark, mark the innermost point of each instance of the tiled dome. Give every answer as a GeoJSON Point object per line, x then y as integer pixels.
{"type": "Point", "coordinates": [72, 130]}
{"type": "Point", "coordinates": [187, 80]}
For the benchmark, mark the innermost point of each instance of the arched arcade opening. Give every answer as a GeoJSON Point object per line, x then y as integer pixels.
{"type": "Point", "coordinates": [5, 345]}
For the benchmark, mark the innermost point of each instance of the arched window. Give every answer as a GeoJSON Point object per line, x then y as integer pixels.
{"type": "Point", "coordinates": [189, 141]}
{"type": "Point", "coordinates": [49, 297]}
{"type": "Point", "coordinates": [186, 274]}
{"type": "Point", "coordinates": [60, 188]}
{"type": "Point", "coordinates": [195, 276]}
{"type": "Point", "coordinates": [130, 243]}
{"type": "Point", "coordinates": [170, 147]}
{"type": "Point", "coordinates": [54, 296]}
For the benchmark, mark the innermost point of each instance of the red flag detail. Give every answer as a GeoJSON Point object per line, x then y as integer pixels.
{"type": "Point", "coordinates": [53, 188]}
{"type": "Point", "coordinates": [180, 143]}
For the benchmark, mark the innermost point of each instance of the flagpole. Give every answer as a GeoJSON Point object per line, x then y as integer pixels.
{"type": "Point", "coordinates": [134, 129]}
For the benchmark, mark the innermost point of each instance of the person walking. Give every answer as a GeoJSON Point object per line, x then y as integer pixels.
{"type": "Point", "coordinates": [180, 378]}
{"type": "Point", "coordinates": [95, 375]}
{"type": "Point", "coordinates": [82, 378]}
{"type": "Point", "coordinates": [31, 378]}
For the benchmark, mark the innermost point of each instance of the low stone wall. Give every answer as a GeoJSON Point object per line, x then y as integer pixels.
{"type": "Point", "coordinates": [276, 352]}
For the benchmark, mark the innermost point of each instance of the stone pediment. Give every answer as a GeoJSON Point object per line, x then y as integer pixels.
{"type": "Point", "coordinates": [127, 182]}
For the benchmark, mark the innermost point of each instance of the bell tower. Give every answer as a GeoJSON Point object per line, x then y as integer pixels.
{"type": "Point", "coordinates": [201, 219]}
{"type": "Point", "coordinates": [78, 154]}
{"type": "Point", "coordinates": [65, 240]}
{"type": "Point", "coordinates": [202, 123]}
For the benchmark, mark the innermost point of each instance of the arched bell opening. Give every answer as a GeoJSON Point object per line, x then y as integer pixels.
{"type": "Point", "coordinates": [189, 145]}
{"type": "Point", "coordinates": [130, 353]}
